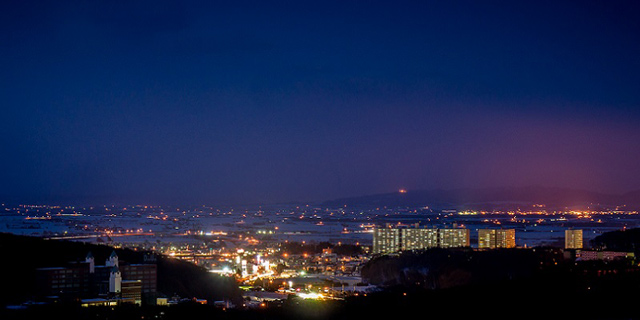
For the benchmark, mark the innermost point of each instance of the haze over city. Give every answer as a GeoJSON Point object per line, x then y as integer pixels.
{"type": "Point", "coordinates": [247, 102]}
{"type": "Point", "coordinates": [319, 160]}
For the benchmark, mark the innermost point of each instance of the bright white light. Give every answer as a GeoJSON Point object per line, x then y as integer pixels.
{"type": "Point", "coordinates": [310, 295]}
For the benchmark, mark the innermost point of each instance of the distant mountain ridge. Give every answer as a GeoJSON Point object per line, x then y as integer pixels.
{"type": "Point", "coordinates": [487, 197]}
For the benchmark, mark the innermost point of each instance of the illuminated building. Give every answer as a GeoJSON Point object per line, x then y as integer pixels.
{"type": "Point", "coordinates": [602, 255]}
{"type": "Point", "coordinates": [573, 239]}
{"type": "Point", "coordinates": [391, 239]}
{"type": "Point", "coordinates": [115, 280]}
{"type": "Point", "coordinates": [386, 240]}
{"type": "Point", "coordinates": [131, 291]}
{"type": "Point", "coordinates": [126, 282]}
{"type": "Point", "coordinates": [496, 238]}
{"type": "Point", "coordinates": [91, 261]}
{"type": "Point", "coordinates": [452, 238]}
{"type": "Point", "coordinates": [415, 238]}
{"type": "Point", "coordinates": [147, 273]}
{"type": "Point", "coordinates": [112, 260]}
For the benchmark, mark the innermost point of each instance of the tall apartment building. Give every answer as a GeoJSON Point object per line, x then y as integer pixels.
{"type": "Point", "coordinates": [573, 239]}
{"type": "Point", "coordinates": [452, 238]}
{"type": "Point", "coordinates": [386, 240]}
{"type": "Point", "coordinates": [416, 238]}
{"type": "Point", "coordinates": [496, 238]}
{"type": "Point", "coordinates": [391, 239]}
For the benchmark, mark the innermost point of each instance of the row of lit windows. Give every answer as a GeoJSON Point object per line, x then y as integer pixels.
{"type": "Point", "coordinates": [62, 286]}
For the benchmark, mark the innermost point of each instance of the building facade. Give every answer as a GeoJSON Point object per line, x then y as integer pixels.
{"type": "Point", "coordinates": [453, 238]}
{"type": "Point", "coordinates": [416, 238]}
{"type": "Point", "coordinates": [392, 239]}
{"type": "Point", "coordinates": [131, 291]}
{"type": "Point", "coordinates": [586, 255]}
{"type": "Point", "coordinates": [81, 280]}
{"type": "Point", "coordinates": [496, 238]}
{"type": "Point", "coordinates": [573, 239]}
{"type": "Point", "coordinates": [71, 281]}
{"type": "Point", "coordinates": [386, 240]}
{"type": "Point", "coordinates": [147, 273]}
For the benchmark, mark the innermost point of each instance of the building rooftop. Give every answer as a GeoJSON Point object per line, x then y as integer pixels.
{"type": "Point", "coordinates": [52, 268]}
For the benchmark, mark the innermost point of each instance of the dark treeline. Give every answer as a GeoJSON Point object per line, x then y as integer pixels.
{"type": "Point", "coordinates": [505, 283]}
{"type": "Point", "coordinates": [446, 268]}
{"type": "Point", "coordinates": [622, 240]}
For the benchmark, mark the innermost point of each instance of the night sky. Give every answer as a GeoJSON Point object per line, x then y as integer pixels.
{"type": "Point", "coordinates": [267, 101]}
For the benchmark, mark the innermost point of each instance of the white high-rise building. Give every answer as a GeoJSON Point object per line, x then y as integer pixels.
{"type": "Point", "coordinates": [92, 262]}
{"type": "Point", "coordinates": [115, 280]}
{"type": "Point", "coordinates": [112, 260]}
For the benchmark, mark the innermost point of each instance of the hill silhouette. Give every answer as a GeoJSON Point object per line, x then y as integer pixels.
{"type": "Point", "coordinates": [492, 198]}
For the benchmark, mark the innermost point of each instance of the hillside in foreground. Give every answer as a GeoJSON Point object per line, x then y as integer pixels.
{"type": "Point", "coordinates": [23, 255]}
{"type": "Point", "coordinates": [533, 283]}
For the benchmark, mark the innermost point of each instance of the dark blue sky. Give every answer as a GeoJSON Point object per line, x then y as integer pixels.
{"type": "Point", "coordinates": [235, 102]}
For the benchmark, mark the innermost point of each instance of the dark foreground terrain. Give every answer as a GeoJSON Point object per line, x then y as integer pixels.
{"type": "Point", "coordinates": [538, 283]}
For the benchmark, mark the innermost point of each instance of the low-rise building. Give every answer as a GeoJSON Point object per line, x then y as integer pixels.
{"type": "Point", "coordinates": [586, 255]}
